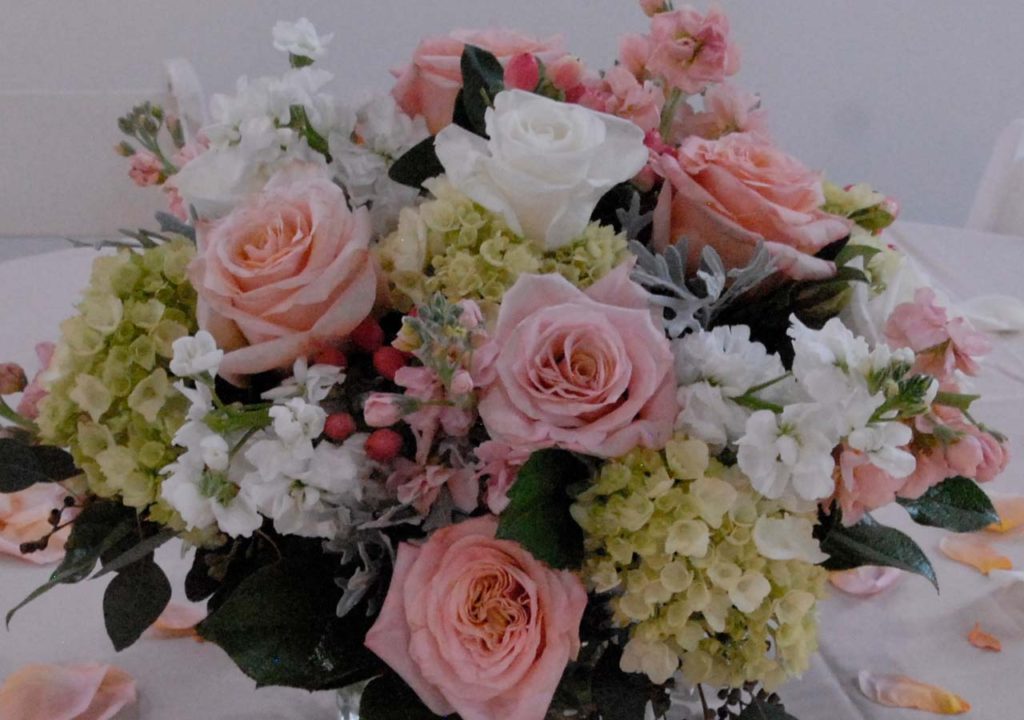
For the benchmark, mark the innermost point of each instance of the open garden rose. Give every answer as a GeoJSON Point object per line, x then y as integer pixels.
{"type": "Point", "coordinates": [732, 192]}
{"type": "Point", "coordinates": [587, 371]}
{"type": "Point", "coordinates": [478, 626]}
{"type": "Point", "coordinates": [284, 273]}
{"type": "Point", "coordinates": [545, 165]}
{"type": "Point", "coordinates": [429, 84]}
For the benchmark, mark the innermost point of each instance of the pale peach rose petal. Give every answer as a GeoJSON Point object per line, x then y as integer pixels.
{"type": "Point", "coordinates": [178, 620]}
{"type": "Point", "coordinates": [1011, 512]}
{"type": "Point", "coordinates": [983, 640]}
{"type": "Point", "coordinates": [869, 580]}
{"type": "Point", "coordinates": [24, 517]}
{"type": "Point", "coordinates": [904, 692]}
{"type": "Point", "coordinates": [74, 692]}
{"type": "Point", "coordinates": [974, 552]}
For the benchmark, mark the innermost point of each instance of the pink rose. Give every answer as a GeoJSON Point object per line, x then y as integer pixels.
{"type": "Point", "coordinates": [24, 517]}
{"type": "Point", "coordinates": [35, 392]}
{"type": "Point", "coordinates": [284, 273]}
{"type": "Point", "coordinates": [146, 169]}
{"type": "Point", "coordinates": [478, 626]}
{"type": "Point", "coordinates": [732, 192]}
{"type": "Point", "coordinates": [588, 371]}
{"type": "Point", "coordinates": [690, 50]}
{"type": "Point", "coordinates": [942, 345]}
{"type": "Point", "coordinates": [429, 84]}
{"type": "Point", "coordinates": [620, 93]}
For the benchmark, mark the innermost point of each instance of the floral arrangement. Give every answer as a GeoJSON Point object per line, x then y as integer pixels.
{"type": "Point", "coordinates": [521, 391]}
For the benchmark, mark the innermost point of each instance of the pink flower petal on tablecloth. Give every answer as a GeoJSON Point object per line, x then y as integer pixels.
{"type": "Point", "coordinates": [983, 640]}
{"type": "Point", "coordinates": [178, 620]}
{"type": "Point", "coordinates": [869, 580]}
{"type": "Point", "coordinates": [904, 692]}
{"type": "Point", "coordinates": [975, 552]}
{"type": "Point", "coordinates": [1011, 512]}
{"type": "Point", "coordinates": [73, 692]}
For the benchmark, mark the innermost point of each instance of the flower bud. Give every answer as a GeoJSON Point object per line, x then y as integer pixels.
{"type": "Point", "coordinates": [12, 378]}
{"type": "Point", "coordinates": [382, 409]}
{"type": "Point", "coordinates": [522, 72]}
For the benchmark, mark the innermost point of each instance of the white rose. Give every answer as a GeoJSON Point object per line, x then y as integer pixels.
{"type": "Point", "coordinates": [545, 165]}
{"type": "Point", "coordinates": [299, 38]}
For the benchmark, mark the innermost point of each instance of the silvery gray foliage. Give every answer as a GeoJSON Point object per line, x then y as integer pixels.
{"type": "Point", "coordinates": [632, 220]}
{"type": "Point", "coordinates": [692, 303]}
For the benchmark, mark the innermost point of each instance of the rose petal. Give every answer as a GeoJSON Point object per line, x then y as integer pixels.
{"type": "Point", "coordinates": [1011, 512]}
{"type": "Point", "coordinates": [55, 692]}
{"type": "Point", "coordinates": [904, 692]}
{"type": "Point", "coordinates": [974, 552]}
{"type": "Point", "coordinates": [981, 639]}
{"type": "Point", "coordinates": [869, 580]}
{"type": "Point", "coordinates": [178, 620]}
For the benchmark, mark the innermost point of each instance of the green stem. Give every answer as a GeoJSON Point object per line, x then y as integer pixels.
{"type": "Point", "coordinates": [8, 413]}
{"type": "Point", "coordinates": [668, 113]}
{"type": "Point", "coordinates": [766, 385]}
{"type": "Point", "coordinates": [749, 401]}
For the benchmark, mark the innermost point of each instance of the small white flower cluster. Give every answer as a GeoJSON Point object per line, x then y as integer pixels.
{"type": "Point", "coordinates": [785, 427]}
{"type": "Point", "coordinates": [300, 39]}
{"type": "Point", "coordinates": [270, 466]}
{"type": "Point", "coordinates": [376, 135]}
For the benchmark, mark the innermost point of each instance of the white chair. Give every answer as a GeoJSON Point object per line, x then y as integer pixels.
{"type": "Point", "coordinates": [999, 202]}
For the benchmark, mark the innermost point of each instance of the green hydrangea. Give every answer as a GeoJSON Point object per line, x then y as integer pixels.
{"type": "Point", "coordinates": [670, 535]}
{"type": "Point", "coordinates": [111, 399]}
{"type": "Point", "coordinates": [456, 247]}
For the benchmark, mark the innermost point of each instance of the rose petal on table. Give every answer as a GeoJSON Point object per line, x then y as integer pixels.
{"type": "Point", "coordinates": [25, 517]}
{"type": "Point", "coordinates": [904, 692]}
{"type": "Point", "coordinates": [71, 692]}
{"type": "Point", "coordinates": [982, 640]}
{"type": "Point", "coordinates": [869, 580]}
{"type": "Point", "coordinates": [178, 620]}
{"type": "Point", "coordinates": [1011, 512]}
{"type": "Point", "coordinates": [975, 552]}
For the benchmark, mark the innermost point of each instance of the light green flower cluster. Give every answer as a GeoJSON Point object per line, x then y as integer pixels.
{"type": "Point", "coordinates": [111, 399]}
{"type": "Point", "coordinates": [670, 535]}
{"type": "Point", "coordinates": [454, 246]}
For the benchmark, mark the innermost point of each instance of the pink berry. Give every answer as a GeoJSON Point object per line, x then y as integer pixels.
{"type": "Point", "coordinates": [339, 426]}
{"type": "Point", "coordinates": [383, 445]}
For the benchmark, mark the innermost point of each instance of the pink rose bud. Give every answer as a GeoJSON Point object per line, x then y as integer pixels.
{"type": "Point", "coordinates": [462, 383]}
{"type": "Point", "coordinates": [522, 72]}
{"type": "Point", "coordinates": [12, 378]}
{"type": "Point", "coordinates": [145, 169]}
{"type": "Point", "coordinates": [382, 409]}
{"type": "Point", "coordinates": [471, 316]}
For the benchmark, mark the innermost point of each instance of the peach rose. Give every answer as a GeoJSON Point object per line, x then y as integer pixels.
{"type": "Point", "coordinates": [24, 517]}
{"type": "Point", "coordinates": [285, 273]}
{"type": "Point", "coordinates": [587, 371]}
{"type": "Point", "coordinates": [732, 192]}
{"type": "Point", "coordinates": [429, 84]}
{"type": "Point", "coordinates": [478, 626]}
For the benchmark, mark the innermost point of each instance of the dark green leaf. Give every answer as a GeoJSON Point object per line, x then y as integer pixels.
{"type": "Point", "coordinates": [956, 504]}
{"type": "Point", "coordinates": [134, 600]}
{"type": "Point", "coordinates": [845, 273]}
{"type": "Point", "coordinates": [280, 628]}
{"type": "Point", "coordinates": [199, 584]}
{"type": "Point", "coordinates": [868, 543]}
{"type": "Point", "coordinates": [873, 218]}
{"type": "Point", "coordinates": [418, 164]}
{"type": "Point", "coordinates": [389, 698]}
{"type": "Point", "coordinates": [482, 78]}
{"type": "Point", "coordinates": [538, 517]}
{"type": "Point", "coordinates": [171, 224]}
{"type": "Point", "coordinates": [851, 251]}
{"type": "Point", "coordinates": [15, 478]}
{"type": "Point", "coordinates": [620, 695]}
{"type": "Point", "coordinates": [960, 401]}
{"type": "Point", "coordinates": [22, 466]}
{"type": "Point", "coordinates": [136, 552]}
{"type": "Point", "coordinates": [760, 710]}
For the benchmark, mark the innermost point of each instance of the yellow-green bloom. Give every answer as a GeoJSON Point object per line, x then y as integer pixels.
{"type": "Point", "coordinates": [111, 400]}
{"type": "Point", "coordinates": [670, 535]}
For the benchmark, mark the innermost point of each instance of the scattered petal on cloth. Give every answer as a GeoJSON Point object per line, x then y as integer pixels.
{"type": "Point", "coordinates": [869, 580]}
{"type": "Point", "coordinates": [974, 552]}
{"type": "Point", "coordinates": [72, 692]}
{"type": "Point", "coordinates": [1011, 512]}
{"type": "Point", "coordinates": [24, 517]}
{"type": "Point", "coordinates": [983, 640]}
{"type": "Point", "coordinates": [178, 620]}
{"type": "Point", "coordinates": [995, 313]}
{"type": "Point", "coordinates": [904, 692]}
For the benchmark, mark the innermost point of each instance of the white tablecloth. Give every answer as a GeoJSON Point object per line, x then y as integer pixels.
{"type": "Point", "coordinates": [909, 630]}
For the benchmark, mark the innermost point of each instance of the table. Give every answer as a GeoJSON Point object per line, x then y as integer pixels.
{"type": "Point", "coordinates": [910, 629]}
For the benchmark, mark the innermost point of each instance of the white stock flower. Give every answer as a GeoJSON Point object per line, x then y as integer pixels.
{"type": "Point", "coordinates": [312, 382]}
{"type": "Point", "coordinates": [196, 355]}
{"type": "Point", "coordinates": [299, 38]}
{"type": "Point", "coordinates": [787, 538]}
{"type": "Point", "coordinates": [215, 452]}
{"type": "Point", "coordinates": [882, 443]}
{"type": "Point", "coordinates": [545, 165]}
{"type": "Point", "coordinates": [297, 421]}
{"type": "Point", "coordinates": [205, 499]}
{"type": "Point", "coordinates": [788, 454]}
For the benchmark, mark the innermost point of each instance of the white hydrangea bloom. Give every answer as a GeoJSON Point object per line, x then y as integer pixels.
{"type": "Point", "coordinates": [789, 453]}
{"type": "Point", "coordinates": [196, 355]}
{"type": "Point", "coordinates": [787, 538]}
{"type": "Point", "coordinates": [300, 38]}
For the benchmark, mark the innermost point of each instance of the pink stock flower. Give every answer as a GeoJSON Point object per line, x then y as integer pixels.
{"type": "Point", "coordinates": [66, 692]}
{"type": "Point", "coordinates": [690, 50]}
{"type": "Point", "coordinates": [499, 463]}
{"type": "Point", "coordinates": [424, 385]}
{"type": "Point", "coordinates": [732, 192]}
{"type": "Point", "coordinates": [587, 371]}
{"type": "Point", "coordinates": [24, 517]}
{"type": "Point", "coordinates": [477, 626]}
{"type": "Point", "coordinates": [620, 93]}
{"type": "Point", "coordinates": [727, 109]}
{"type": "Point", "coordinates": [429, 84]}
{"type": "Point", "coordinates": [995, 456]}
{"type": "Point", "coordinates": [284, 273]}
{"type": "Point", "coordinates": [634, 52]}
{"type": "Point", "coordinates": [862, 486]}
{"type": "Point", "coordinates": [28, 406]}
{"type": "Point", "coordinates": [383, 409]}
{"type": "Point", "coordinates": [420, 486]}
{"type": "Point", "coordinates": [522, 72]}
{"type": "Point", "coordinates": [146, 169]}
{"type": "Point", "coordinates": [942, 345]}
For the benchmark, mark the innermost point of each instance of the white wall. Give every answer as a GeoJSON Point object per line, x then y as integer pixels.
{"type": "Point", "coordinates": [908, 94]}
